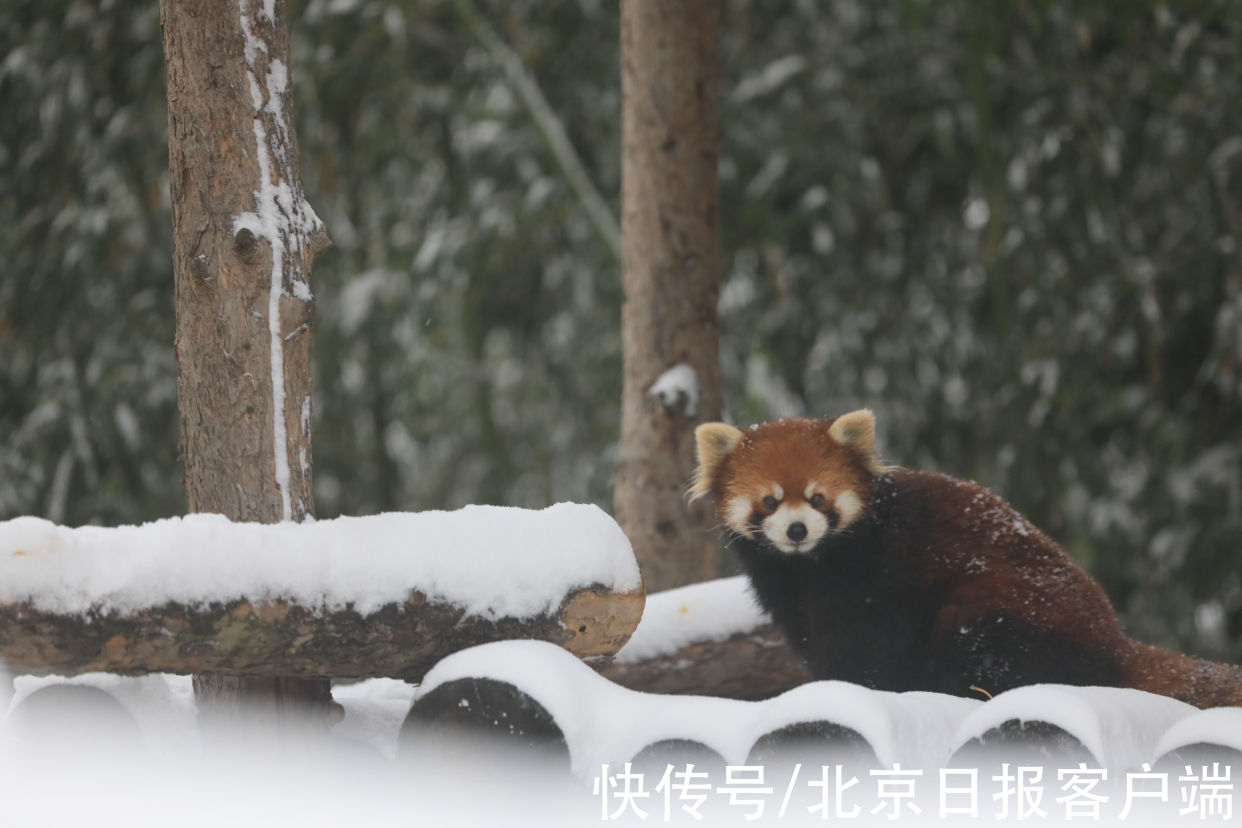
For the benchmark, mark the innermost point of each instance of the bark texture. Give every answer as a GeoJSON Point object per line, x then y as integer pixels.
{"type": "Point", "coordinates": [244, 238]}
{"type": "Point", "coordinates": [753, 665]}
{"type": "Point", "coordinates": [243, 241]}
{"type": "Point", "coordinates": [671, 264]}
{"type": "Point", "coordinates": [271, 641]}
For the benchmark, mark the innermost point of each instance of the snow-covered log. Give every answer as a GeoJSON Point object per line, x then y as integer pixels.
{"type": "Point", "coordinates": [911, 729]}
{"type": "Point", "coordinates": [388, 595]}
{"type": "Point", "coordinates": [707, 639]}
{"type": "Point", "coordinates": [1059, 723]}
{"type": "Point", "coordinates": [481, 721]}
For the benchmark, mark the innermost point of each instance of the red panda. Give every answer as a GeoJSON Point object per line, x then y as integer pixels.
{"type": "Point", "coordinates": [898, 579]}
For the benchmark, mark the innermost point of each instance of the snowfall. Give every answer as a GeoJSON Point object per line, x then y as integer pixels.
{"type": "Point", "coordinates": [100, 749]}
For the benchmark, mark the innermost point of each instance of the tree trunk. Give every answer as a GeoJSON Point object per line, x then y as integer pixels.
{"type": "Point", "coordinates": [243, 240]}
{"type": "Point", "coordinates": [671, 263]}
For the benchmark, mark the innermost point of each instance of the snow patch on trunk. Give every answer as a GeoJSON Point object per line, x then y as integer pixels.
{"type": "Point", "coordinates": [281, 215]}
{"type": "Point", "coordinates": [677, 389]}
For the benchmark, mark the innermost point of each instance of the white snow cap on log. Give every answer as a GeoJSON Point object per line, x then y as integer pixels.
{"type": "Point", "coordinates": [912, 729]}
{"type": "Point", "coordinates": [491, 560]}
{"type": "Point", "coordinates": [1119, 726]}
{"type": "Point", "coordinates": [708, 611]}
{"type": "Point", "coordinates": [1217, 726]}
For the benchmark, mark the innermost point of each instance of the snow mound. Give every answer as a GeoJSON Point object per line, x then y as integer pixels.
{"type": "Point", "coordinates": [490, 560]}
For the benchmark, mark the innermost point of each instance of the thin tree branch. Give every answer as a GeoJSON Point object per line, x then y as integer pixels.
{"type": "Point", "coordinates": [548, 124]}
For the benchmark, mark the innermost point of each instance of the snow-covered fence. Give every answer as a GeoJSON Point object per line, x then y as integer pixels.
{"type": "Point", "coordinates": [388, 595]}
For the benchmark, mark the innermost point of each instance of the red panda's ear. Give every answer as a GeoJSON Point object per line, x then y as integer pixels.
{"type": "Point", "coordinates": [856, 430]}
{"type": "Point", "coordinates": [713, 443]}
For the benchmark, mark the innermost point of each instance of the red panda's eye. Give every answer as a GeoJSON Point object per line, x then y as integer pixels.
{"type": "Point", "coordinates": [817, 500]}
{"type": "Point", "coordinates": [770, 502]}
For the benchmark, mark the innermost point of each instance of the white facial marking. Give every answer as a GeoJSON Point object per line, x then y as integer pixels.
{"type": "Point", "coordinates": [848, 506]}
{"type": "Point", "coordinates": [737, 516]}
{"type": "Point", "coordinates": [810, 490]}
{"type": "Point", "coordinates": [776, 528]}
{"type": "Point", "coordinates": [777, 491]}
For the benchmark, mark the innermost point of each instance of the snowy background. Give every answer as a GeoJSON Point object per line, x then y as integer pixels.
{"type": "Point", "coordinates": [1014, 236]}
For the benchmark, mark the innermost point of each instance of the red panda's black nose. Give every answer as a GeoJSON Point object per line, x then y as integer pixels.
{"type": "Point", "coordinates": [796, 531]}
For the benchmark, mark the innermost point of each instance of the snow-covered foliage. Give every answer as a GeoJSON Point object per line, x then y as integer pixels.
{"type": "Point", "coordinates": [88, 427]}
{"type": "Point", "coordinates": [1011, 237]}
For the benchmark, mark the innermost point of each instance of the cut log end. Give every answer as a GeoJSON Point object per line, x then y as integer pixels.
{"type": "Point", "coordinates": [599, 623]}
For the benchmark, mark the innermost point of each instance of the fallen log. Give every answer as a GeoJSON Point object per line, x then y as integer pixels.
{"type": "Point", "coordinates": [481, 721]}
{"type": "Point", "coordinates": [388, 595]}
{"type": "Point", "coordinates": [707, 639]}
{"type": "Point", "coordinates": [275, 638]}
{"type": "Point", "coordinates": [752, 665]}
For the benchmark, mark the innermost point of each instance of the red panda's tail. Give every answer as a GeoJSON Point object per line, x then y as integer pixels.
{"type": "Point", "coordinates": [1192, 680]}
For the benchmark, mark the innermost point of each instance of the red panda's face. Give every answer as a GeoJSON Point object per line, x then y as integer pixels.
{"type": "Point", "coordinates": [789, 483]}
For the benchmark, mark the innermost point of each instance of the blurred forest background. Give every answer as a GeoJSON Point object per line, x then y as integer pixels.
{"type": "Point", "coordinates": [1013, 231]}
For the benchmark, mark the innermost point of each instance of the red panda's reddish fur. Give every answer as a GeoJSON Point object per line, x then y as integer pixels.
{"type": "Point", "coordinates": [933, 583]}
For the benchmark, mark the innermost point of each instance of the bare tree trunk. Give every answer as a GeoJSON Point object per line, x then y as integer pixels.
{"type": "Point", "coordinates": [244, 239]}
{"type": "Point", "coordinates": [671, 262]}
